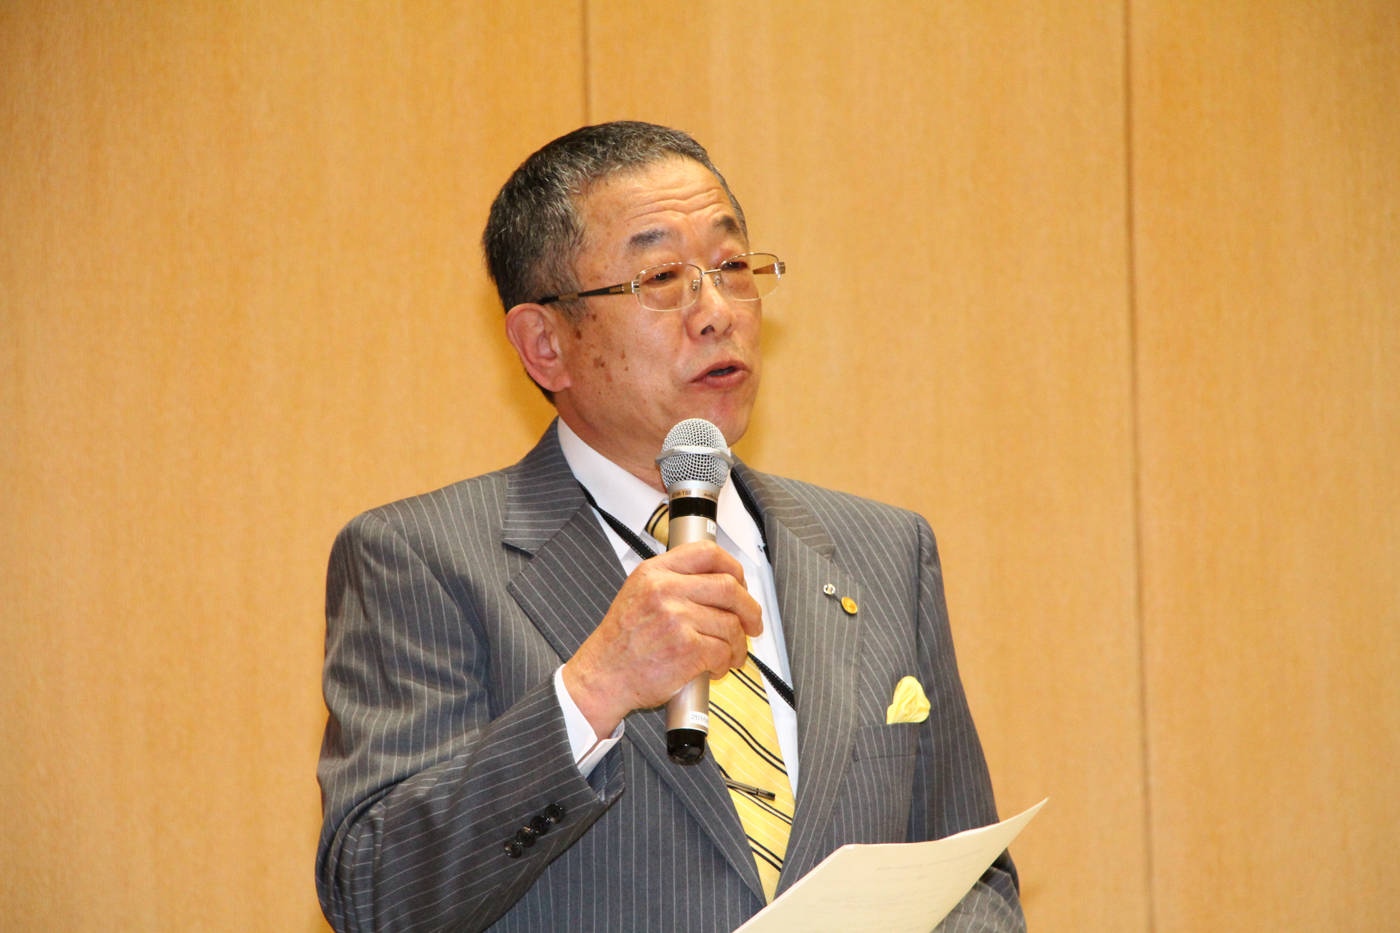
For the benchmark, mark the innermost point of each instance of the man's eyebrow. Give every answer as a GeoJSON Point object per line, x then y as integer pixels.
{"type": "Point", "coordinates": [648, 238]}
{"type": "Point", "coordinates": [640, 241]}
{"type": "Point", "coordinates": [729, 224]}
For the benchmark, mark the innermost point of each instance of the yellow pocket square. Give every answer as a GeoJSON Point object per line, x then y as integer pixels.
{"type": "Point", "coordinates": [910, 704]}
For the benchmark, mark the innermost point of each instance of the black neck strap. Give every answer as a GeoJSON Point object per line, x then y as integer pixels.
{"type": "Point", "coordinates": [629, 536]}
{"type": "Point", "coordinates": [751, 507]}
{"type": "Point", "coordinates": [640, 547]}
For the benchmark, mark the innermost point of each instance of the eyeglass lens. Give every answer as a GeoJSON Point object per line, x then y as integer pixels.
{"type": "Point", "coordinates": [677, 285]}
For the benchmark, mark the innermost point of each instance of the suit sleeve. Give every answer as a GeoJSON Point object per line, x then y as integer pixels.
{"type": "Point", "coordinates": [423, 782]}
{"type": "Point", "coordinates": [952, 786]}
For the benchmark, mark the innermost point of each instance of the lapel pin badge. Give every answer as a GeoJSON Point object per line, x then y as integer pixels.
{"type": "Point", "coordinates": [829, 590]}
{"type": "Point", "coordinates": [849, 605]}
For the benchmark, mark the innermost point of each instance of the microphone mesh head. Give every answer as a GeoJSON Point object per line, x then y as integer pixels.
{"type": "Point", "coordinates": [684, 467]}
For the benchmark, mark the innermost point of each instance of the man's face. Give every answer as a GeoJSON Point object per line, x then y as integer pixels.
{"type": "Point", "coordinates": [632, 372]}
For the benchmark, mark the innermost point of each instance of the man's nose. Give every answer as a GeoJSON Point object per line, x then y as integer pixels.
{"type": "Point", "coordinates": [713, 311]}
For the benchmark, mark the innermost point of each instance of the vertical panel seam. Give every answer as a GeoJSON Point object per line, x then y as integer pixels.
{"type": "Point", "coordinates": [1135, 408]}
{"type": "Point", "coordinates": [587, 66]}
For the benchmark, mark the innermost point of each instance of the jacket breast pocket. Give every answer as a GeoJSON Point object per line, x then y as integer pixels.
{"type": "Point", "coordinates": [885, 741]}
{"type": "Point", "coordinates": [878, 785]}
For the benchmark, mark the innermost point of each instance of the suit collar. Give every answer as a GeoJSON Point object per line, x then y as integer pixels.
{"type": "Point", "coordinates": [542, 495]}
{"type": "Point", "coordinates": [780, 508]}
{"type": "Point", "coordinates": [574, 575]}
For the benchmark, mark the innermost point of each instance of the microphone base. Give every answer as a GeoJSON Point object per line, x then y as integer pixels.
{"type": "Point", "coordinates": [685, 746]}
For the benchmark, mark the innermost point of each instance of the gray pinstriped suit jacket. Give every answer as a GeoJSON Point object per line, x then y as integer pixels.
{"type": "Point", "coordinates": [446, 617]}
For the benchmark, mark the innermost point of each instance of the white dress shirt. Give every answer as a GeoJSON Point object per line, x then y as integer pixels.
{"type": "Point", "coordinates": [632, 502]}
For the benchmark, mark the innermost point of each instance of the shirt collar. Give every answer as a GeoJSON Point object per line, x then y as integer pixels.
{"type": "Point", "coordinates": [616, 491]}
{"type": "Point", "coordinates": [632, 501]}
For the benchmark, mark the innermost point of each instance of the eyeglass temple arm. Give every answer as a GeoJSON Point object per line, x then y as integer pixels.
{"type": "Point", "coordinates": [623, 289]}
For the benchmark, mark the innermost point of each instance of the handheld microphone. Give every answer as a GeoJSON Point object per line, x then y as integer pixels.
{"type": "Point", "coordinates": [695, 463]}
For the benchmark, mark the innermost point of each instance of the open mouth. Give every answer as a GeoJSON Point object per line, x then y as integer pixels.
{"type": "Point", "coordinates": [723, 371]}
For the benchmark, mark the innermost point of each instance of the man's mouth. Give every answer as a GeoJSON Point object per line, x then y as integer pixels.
{"type": "Point", "coordinates": [727, 373]}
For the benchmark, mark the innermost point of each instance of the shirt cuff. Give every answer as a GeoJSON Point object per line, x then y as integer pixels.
{"type": "Point", "coordinates": [588, 749]}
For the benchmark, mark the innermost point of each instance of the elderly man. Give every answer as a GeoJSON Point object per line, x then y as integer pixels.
{"type": "Point", "coordinates": [498, 651]}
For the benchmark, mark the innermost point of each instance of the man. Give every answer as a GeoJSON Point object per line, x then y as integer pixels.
{"type": "Point", "coordinates": [497, 650]}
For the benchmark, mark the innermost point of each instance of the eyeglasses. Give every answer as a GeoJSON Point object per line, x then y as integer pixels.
{"type": "Point", "coordinates": [675, 286]}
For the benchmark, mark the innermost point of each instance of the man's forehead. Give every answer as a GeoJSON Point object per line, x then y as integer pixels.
{"type": "Point", "coordinates": [639, 208]}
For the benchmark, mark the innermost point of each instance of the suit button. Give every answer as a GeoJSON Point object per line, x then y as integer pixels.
{"type": "Point", "coordinates": [554, 813]}
{"type": "Point", "coordinates": [540, 825]}
{"type": "Point", "coordinates": [525, 836]}
{"type": "Point", "coordinates": [514, 849]}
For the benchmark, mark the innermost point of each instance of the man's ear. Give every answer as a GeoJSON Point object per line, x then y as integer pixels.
{"type": "Point", "coordinates": [534, 332]}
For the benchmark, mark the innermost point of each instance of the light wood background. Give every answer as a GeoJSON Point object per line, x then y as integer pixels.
{"type": "Point", "coordinates": [1110, 292]}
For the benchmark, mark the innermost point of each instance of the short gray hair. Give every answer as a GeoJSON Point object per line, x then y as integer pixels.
{"type": "Point", "coordinates": [534, 234]}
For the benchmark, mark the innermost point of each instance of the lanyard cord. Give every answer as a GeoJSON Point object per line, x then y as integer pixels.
{"type": "Point", "coordinates": [643, 551]}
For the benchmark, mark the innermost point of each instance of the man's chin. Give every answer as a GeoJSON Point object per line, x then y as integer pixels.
{"type": "Point", "coordinates": [731, 423]}
{"type": "Point", "coordinates": [728, 409]}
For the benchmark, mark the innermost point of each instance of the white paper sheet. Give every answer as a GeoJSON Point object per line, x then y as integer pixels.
{"type": "Point", "coordinates": [896, 888]}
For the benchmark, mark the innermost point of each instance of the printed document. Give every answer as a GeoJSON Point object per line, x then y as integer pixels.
{"type": "Point", "coordinates": [895, 888]}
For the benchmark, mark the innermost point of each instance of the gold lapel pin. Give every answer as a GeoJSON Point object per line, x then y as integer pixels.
{"type": "Point", "coordinates": [849, 605]}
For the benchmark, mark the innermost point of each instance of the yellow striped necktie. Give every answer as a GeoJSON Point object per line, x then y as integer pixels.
{"type": "Point", "coordinates": [660, 522]}
{"type": "Point", "coordinates": [744, 743]}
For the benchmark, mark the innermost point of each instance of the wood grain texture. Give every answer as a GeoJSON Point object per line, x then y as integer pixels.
{"type": "Point", "coordinates": [241, 301]}
{"type": "Point", "coordinates": [1108, 292]}
{"type": "Point", "coordinates": [1266, 167]}
{"type": "Point", "coordinates": [948, 184]}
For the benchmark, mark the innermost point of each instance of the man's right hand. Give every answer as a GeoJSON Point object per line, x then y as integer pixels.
{"type": "Point", "coordinates": [679, 614]}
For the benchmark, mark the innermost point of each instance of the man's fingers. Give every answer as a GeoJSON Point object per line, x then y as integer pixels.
{"type": "Point", "coordinates": [681, 613]}
{"type": "Point", "coordinates": [723, 592]}
{"type": "Point", "coordinates": [721, 641]}
{"type": "Point", "coordinates": [705, 574]}
{"type": "Point", "coordinates": [701, 557]}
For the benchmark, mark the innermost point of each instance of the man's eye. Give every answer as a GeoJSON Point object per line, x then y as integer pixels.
{"type": "Point", "coordinates": [737, 264]}
{"type": "Point", "coordinates": [660, 278]}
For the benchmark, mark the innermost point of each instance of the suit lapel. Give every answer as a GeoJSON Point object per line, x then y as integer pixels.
{"type": "Point", "coordinates": [701, 788]}
{"type": "Point", "coordinates": [823, 642]}
{"type": "Point", "coordinates": [566, 589]}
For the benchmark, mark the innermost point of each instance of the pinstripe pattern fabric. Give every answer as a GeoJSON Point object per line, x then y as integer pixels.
{"type": "Point", "coordinates": [446, 617]}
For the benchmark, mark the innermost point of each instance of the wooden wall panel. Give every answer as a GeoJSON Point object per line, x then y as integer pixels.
{"type": "Point", "coordinates": [1266, 167]}
{"type": "Point", "coordinates": [240, 300]}
{"type": "Point", "coordinates": [948, 184]}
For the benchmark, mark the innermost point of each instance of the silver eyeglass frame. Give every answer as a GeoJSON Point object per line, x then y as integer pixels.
{"type": "Point", "coordinates": [634, 287]}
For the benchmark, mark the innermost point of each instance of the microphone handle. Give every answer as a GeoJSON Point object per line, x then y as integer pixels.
{"type": "Point", "coordinates": [694, 508]}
